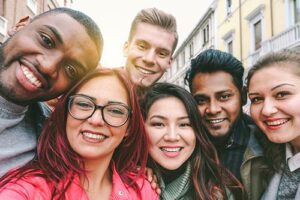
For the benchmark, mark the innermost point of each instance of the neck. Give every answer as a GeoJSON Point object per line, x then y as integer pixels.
{"type": "Point", "coordinates": [171, 175]}
{"type": "Point", "coordinates": [98, 179]}
{"type": "Point", "coordinates": [295, 143]}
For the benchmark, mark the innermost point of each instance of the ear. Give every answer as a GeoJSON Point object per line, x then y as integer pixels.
{"type": "Point", "coordinates": [22, 22]}
{"type": "Point", "coordinates": [244, 95]}
{"type": "Point", "coordinates": [125, 49]}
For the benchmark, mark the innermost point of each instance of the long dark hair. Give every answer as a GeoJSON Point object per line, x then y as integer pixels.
{"type": "Point", "coordinates": [209, 177]}
{"type": "Point", "coordinates": [57, 162]}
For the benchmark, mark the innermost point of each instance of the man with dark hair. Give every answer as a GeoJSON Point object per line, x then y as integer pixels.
{"type": "Point", "coordinates": [41, 59]}
{"type": "Point", "coordinates": [216, 81]}
{"type": "Point", "coordinates": [151, 42]}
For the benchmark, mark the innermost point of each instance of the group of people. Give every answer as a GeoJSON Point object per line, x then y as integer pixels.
{"type": "Point", "coordinates": [112, 126]}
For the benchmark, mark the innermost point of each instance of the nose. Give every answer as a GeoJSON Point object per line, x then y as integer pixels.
{"type": "Point", "coordinates": [50, 63]}
{"type": "Point", "coordinates": [172, 134]}
{"type": "Point", "coordinates": [149, 57]}
{"type": "Point", "coordinates": [96, 119]}
{"type": "Point", "coordinates": [269, 108]}
{"type": "Point", "coordinates": [213, 108]}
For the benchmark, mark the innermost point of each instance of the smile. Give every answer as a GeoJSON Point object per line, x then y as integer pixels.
{"type": "Point", "coordinates": [145, 71]}
{"type": "Point", "coordinates": [215, 121]}
{"type": "Point", "coordinates": [31, 77]}
{"type": "Point", "coordinates": [170, 149]}
{"type": "Point", "coordinates": [93, 136]}
{"type": "Point", "coordinates": [277, 122]}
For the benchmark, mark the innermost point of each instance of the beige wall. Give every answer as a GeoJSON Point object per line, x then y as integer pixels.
{"type": "Point", "coordinates": [232, 23]}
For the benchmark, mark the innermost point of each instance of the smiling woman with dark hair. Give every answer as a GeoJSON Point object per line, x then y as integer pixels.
{"type": "Point", "coordinates": [90, 148]}
{"type": "Point", "coordinates": [181, 154]}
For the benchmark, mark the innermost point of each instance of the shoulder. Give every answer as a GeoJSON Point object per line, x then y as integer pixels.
{"type": "Point", "coordinates": [121, 190]}
{"type": "Point", "coordinates": [146, 190]}
{"type": "Point", "coordinates": [26, 188]}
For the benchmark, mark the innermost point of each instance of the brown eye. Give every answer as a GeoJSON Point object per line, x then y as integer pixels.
{"type": "Point", "coordinates": [71, 72]}
{"type": "Point", "coordinates": [47, 41]}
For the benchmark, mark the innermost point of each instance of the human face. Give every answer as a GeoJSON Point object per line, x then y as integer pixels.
{"type": "Point", "coordinates": [149, 54]}
{"type": "Point", "coordinates": [45, 58]}
{"type": "Point", "coordinates": [219, 101]}
{"type": "Point", "coordinates": [275, 102]}
{"type": "Point", "coordinates": [172, 139]}
{"type": "Point", "coordinates": [92, 138]}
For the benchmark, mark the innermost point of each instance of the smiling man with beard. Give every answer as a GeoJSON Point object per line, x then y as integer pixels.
{"type": "Point", "coordinates": [42, 59]}
{"type": "Point", "coordinates": [152, 40]}
{"type": "Point", "coordinates": [216, 81]}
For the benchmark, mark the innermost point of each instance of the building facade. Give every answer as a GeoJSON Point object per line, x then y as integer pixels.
{"type": "Point", "coordinates": [202, 37]}
{"type": "Point", "coordinates": [247, 29]}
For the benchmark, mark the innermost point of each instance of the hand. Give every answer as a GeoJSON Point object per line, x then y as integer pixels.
{"type": "Point", "coordinates": [151, 177]}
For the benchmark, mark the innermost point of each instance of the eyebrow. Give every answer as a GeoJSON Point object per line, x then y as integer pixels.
{"type": "Point", "coordinates": [283, 84]}
{"type": "Point", "coordinates": [56, 33]}
{"type": "Point", "coordinates": [117, 102]}
{"type": "Point", "coordinates": [162, 117]}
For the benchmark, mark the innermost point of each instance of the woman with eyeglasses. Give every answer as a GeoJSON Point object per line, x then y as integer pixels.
{"type": "Point", "coordinates": [92, 147]}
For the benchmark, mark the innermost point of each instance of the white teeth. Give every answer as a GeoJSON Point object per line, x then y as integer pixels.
{"type": "Point", "coordinates": [215, 121]}
{"type": "Point", "coordinates": [94, 136]}
{"type": "Point", "coordinates": [30, 76]}
{"type": "Point", "coordinates": [177, 149]}
{"type": "Point", "coordinates": [277, 122]}
{"type": "Point", "coordinates": [144, 71]}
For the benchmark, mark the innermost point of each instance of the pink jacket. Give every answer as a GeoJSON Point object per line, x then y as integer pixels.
{"type": "Point", "coordinates": [37, 188]}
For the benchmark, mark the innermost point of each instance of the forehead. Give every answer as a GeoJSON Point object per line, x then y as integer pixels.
{"type": "Point", "coordinates": [168, 107]}
{"type": "Point", "coordinates": [210, 83]}
{"type": "Point", "coordinates": [105, 87]}
{"type": "Point", "coordinates": [275, 74]}
{"type": "Point", "coordinates": [154, 35]}
{"type": "Point", "coordinates": [68, 30]}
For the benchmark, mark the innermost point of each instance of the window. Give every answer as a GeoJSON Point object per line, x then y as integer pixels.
{"type": "Point", "coordinates": [183, 58]}
{"type": "Point", "coordinates": [228, 7]}
{"type": "Point", "coordinates": [191, 46]}
{"type": "Point", "coordinates": [228, 41]}
{"type": "Point", "coordinates": [205, 33]}
{"type": "Point", "coordinates": [257, 35]}
{"type": "Point", "coordinates": [230, 47]}
{"type": "Point", "coordinates": [296, 6]}
{"type": "Point", "coordinates": [256, 26]}
{"type": "Point", "coordinates": [32, 4]}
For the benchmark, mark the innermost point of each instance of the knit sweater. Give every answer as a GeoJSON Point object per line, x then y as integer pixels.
{"type": "Point", "coordinates": [178, 189]}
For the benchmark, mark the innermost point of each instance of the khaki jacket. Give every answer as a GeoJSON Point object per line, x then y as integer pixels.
{"type": "Point", "coordinates": [253, 167]}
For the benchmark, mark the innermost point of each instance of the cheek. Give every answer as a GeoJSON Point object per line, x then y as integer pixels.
{"type": "Point", "coordinates": [164, 64]}
{"type": "Point", "coordinates": [72, 126]}
{"type": "Point", "coordinates": [255, 112]}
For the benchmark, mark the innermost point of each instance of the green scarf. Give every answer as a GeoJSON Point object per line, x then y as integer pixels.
{"type": "Point", "coordinates": [179, 188]}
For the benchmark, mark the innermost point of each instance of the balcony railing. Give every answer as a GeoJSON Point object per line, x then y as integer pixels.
{"type": "Point", "coordinates": [289, 38]}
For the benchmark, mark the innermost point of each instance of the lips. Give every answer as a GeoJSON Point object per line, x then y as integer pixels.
{"type": "Point", "coordinates": [93, 137]}
{"type": "Point", "coordinates": [145, 71]}
{"type": "Point", "coordinates": [171, 152]}
{"type": "Point", "coordinates": [275, 123]}
{"type": "Point", "coordinates": [171, 149]}
{"type": "Point", "coordinates": [30, 77]}
{"type": "Point", "coordinates": [215, 121]}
